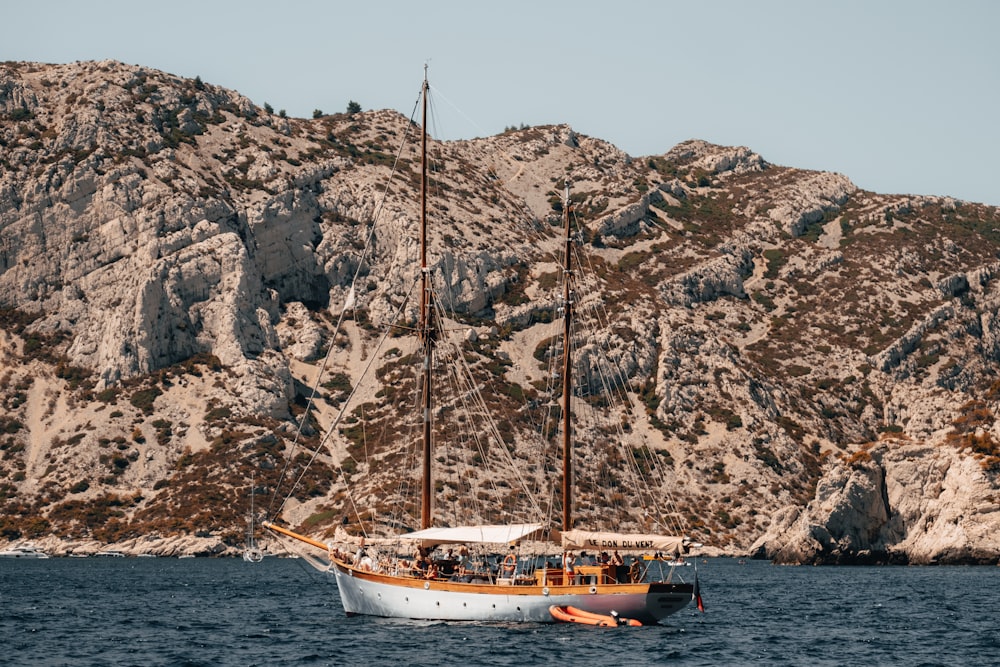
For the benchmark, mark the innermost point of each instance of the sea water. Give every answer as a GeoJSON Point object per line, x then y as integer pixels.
{"type": "Point", "coordinates": [165, 611]}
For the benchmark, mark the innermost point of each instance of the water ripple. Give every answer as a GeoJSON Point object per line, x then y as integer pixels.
{"type": "Point", "coordinates": [199, 612]}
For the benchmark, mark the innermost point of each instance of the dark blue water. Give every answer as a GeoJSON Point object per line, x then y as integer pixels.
{"type": "Point", "coordinates": [281, 612]}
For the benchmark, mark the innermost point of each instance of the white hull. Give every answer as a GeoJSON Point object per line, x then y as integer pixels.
{"type": "Point", "coordinates": [9, 554]}
{"type": "Point", "coordinates": [398, 597]}
{"type": "Point", "coordinates": [23, 552]}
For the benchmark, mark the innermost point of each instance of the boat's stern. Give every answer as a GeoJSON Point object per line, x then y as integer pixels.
{"type": "Point", "coordinates": [664, 599]}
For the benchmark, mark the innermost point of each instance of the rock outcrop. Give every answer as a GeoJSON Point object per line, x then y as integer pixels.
{"type": "Point", "coordinates": [898, 503]}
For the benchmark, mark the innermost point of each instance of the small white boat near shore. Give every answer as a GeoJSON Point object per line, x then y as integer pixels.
{"type": "Point", "coordinates": [25, 550]}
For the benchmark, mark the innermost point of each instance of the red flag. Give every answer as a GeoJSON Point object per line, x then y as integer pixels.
{"type": "Point", "coordinates": [696, 594]}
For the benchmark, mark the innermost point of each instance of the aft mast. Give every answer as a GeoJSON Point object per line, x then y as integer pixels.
{"type": "Point", "coordinates": [567, 490]}
{"type": "Point", "coordinates": [426, 325]}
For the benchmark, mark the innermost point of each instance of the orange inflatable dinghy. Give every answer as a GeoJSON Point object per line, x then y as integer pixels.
{"type": "Point", "coordinates": [569, 614]}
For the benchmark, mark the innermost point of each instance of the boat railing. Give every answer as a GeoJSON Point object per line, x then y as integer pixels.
{"type": "Point", "coordinates": [535, 571]}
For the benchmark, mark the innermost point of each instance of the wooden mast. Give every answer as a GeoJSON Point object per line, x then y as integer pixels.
{"type": "Point", "coordinates": [567, 492]}
{"type": "Point", "coordinates": [426, 320]}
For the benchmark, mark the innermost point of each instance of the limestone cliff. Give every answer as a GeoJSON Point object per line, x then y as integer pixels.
{"type": "Point", "coordinates": [898, 503]}
{"type": "Point", "coordinates": [815, 363]}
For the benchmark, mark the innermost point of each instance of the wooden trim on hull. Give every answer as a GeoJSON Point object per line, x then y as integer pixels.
{"type": "Point", "coordinates": [529, 587]}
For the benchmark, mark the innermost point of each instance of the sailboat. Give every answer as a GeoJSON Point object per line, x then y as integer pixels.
{"type": "Point", "coordinates": [252, 552]}
{"type": "Point", "coordinates": [523, 570]}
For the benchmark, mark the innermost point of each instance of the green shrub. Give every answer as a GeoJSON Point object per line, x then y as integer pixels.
{"type": "Point", "coordinates": [144, 398]}
{"type": "Point", "coordinates": [775, 260]}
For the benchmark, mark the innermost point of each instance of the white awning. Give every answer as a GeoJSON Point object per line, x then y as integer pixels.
{"type": "Point", "coordinates": [474, 534]}
{"type": "Point", "coordinates": [583, 539]}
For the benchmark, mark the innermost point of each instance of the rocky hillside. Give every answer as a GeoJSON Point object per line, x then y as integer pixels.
{"type": "Point", "coordinates": [817, 364]}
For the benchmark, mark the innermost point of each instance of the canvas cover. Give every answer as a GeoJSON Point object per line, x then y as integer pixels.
{"type": "Point", "coordinates": [474, 534]}
{"type": "Point", "coordinates": [596, 541]}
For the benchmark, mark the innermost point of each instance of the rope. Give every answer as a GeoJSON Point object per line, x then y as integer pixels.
{"type": "Point", "coordinates": [329, 353]}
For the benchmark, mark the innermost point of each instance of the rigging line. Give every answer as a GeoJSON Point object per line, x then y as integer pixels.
{"type": "Point", "coordinates": [469, 391]}
{"type": "Point", "coordinates": [642, 481]}
{"type": "Point", "coordinates": [411, 455]}
{"type": "Point", "coordinates": [438, 92]}
{"type": "Point", "coordinates": [484, 132]}
{"type": "Point", "coordinates": [407, 487]}
{"type": "Point", "coordinates": [611, 389]}
{"type": "Point", "coordinates": [619, 387]}
{"type": "Point", "coordinates": [518, 202]}
{"type": "Point", "coordinates": [644, 485]}
{"type": "Point", "coordinates": [550, 417]}
{"type": "Point", "coordinates": [467, 440]}
{"type": "Point", "coordinates": [473, 394]}
{"type": "Point", "coordinates": [613, 383]}
{"type": "Point", "coordinates": [340, 320]}
{"type": "Point", "coordinates": [432, 116]}
{"type": "Point", "coordinates": [612, 379]}
{"type": "Point", "coordinates": [333, 426]}
{"type": "Point", "coordinates": [476, 395]}
{"type": "Point", "coordinates": [404, 481]}
{"type": "Point", "coordinates": [340, 415]}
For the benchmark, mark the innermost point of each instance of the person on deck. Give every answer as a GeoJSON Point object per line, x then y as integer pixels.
{"type": "Point", "coordinates": [447, 564]}
{"type": "Point", "coordinates": [568, 567]}
{"type": "Point", "coordinates": [464, 568]}
{"type": "Point", "coordinates": [585, 561]}
{"type": "Point", "coordinates": [617, 564]}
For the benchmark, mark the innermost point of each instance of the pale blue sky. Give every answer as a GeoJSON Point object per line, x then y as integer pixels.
{"type": "Point", "coordinates": [902, 96]}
